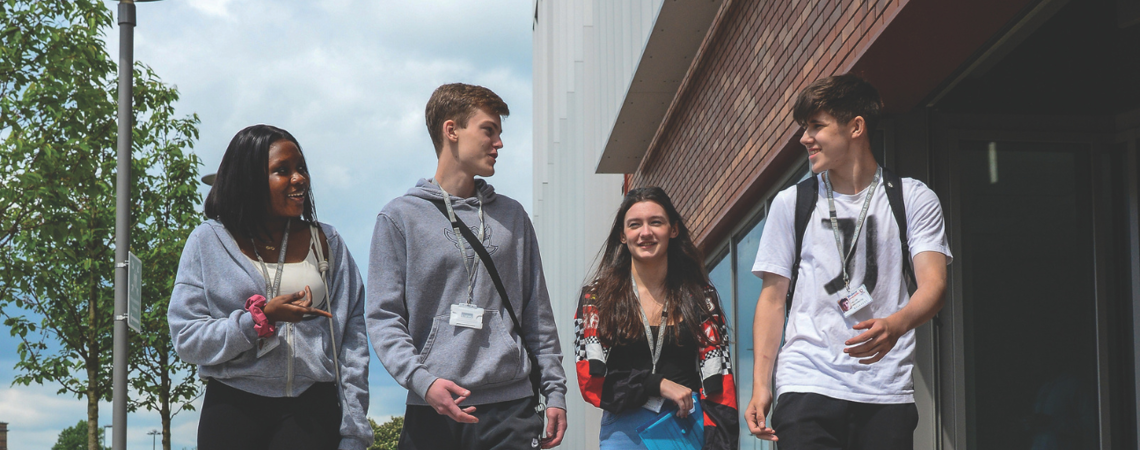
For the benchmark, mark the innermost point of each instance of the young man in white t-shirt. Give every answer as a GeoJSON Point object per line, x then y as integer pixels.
{"type": "Point", "coordinates": [843, 375]}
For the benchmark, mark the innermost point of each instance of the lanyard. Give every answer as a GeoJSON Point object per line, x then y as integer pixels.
{"type": "Point", "coordinates": [654, 351]}
{"type": "Point", "coordinates": [271, 290]}
{"type": "Point", "coordinates": [459, 237]}
{"type": "Point", "coordinates": [844, 256]}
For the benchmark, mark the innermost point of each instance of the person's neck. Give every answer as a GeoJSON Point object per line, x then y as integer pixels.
{"type": "Point", "coordinates": [651, 276]}
{"type": "Point", "coordinates": [853, 178]}
{"type": "Point", "coordinates": [276, 227]}
{"type": "Point", "coordinates": [454, 181]}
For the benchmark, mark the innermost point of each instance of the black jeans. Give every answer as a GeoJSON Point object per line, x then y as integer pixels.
{"type": "Point", "coordinates": [806, 421]}
{"type": "Point", "coordinates": [235, 419]}
{"type": "Point", "coordinates": [506, 425]}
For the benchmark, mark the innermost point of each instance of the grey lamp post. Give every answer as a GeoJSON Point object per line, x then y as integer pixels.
{"type": "Point", "coordinates": [123, 219]}
{"type": "Point", "coordinates": [154, 435]}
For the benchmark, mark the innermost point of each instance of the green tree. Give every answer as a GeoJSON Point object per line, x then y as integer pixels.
{"type": "Point", "coordinates": [72, 438]}
{"type": "Point", "coordinates": [386, 435]}
{"type": "Point", "coordinates": [58, 129]}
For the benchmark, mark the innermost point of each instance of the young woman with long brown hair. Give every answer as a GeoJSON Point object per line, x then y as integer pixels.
{"type": "Point", "coordinates": [650, 335]}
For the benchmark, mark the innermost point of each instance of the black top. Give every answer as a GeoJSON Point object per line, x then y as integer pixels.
{"type": "Point", "coordinates": [678, 362]}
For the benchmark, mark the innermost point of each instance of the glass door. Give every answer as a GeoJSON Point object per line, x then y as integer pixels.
{"type": "Point", "coordinates": [1029, 295]}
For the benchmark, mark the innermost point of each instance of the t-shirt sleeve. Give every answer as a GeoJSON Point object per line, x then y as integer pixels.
{"type": "Point", "coordinates": [777, 242]}
{"type": "Point", "coordinates": [925, 224]}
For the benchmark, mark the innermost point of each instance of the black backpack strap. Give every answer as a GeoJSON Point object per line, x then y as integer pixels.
{"type": "Point", "coordinates": [894, 189]}
{"type": "Point", "coordinates": [535, 371]}
{"type": "Point", "coordinates": [807, 192]}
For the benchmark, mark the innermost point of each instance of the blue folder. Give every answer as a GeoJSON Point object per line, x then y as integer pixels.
{"type": "Point", "coordinates": [669, 432]}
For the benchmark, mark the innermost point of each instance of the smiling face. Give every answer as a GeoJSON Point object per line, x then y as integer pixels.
{"type": "Point", "coordinates": [477, 145]}
{"type": "Point", "coordinates": [647, 231]}
{"type": "Point", "coordinates": [828, 141]}
{"type": "Point", "coordinates": [288, 180]}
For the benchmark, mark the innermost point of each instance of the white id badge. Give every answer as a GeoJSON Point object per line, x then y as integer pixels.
{"type": "Point", "coordinates": [654, 404]}
{"type": "Point", "coordinates": [854, 300]}
{"type": "Point", "coordinates": [466, 315]}
{"type": "Point", "coordinates": [265, 345]}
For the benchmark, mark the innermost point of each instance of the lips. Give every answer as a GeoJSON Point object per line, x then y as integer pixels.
{"type": "Point", "coordinates": [299, 196]}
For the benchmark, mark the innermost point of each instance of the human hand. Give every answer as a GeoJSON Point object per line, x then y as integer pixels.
{"type": "Point", "coordinates": [555, 427]}
{"type": "Point", "coordinates": [292, 307]}
{"type": "Point", "coordinates": [439, 396]}
{"type": "Point", "coordinates": [873, 344]}
{"type": "Point", "coordinates": [680, 395]}
{"type": "Point", "coordinates": [756, 414]}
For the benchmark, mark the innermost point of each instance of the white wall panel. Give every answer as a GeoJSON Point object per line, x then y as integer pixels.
{"type": "Point", "coordinates": [585, 54]}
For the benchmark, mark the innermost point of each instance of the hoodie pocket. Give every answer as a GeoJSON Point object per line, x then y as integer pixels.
{"type": "Point", "coordinates": [471, 357]}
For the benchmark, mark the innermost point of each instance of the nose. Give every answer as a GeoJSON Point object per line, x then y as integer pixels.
{"type": "Point", "coordinates": [498, 143]}
{"type": "Point", "coordinates": [806, 139]}
{"type": "Point", "coordinates": [299, 178]}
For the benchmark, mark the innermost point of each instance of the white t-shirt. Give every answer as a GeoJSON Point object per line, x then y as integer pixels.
{"type": "Point", "coordinates": [812, 358]}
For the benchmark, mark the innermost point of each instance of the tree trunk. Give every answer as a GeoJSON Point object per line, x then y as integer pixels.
{"type": "Point", "coordinates": [164, 398]}
{"type": "Point", "coordinates": [92, 409]}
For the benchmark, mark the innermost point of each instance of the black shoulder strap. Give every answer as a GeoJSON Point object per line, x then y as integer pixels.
{"type": "Point", "coordinates": [807, 191]}
{"type": "Point", "coordinates": [894, 189]}
{"type": "Point", "coordinates": [489, 264]}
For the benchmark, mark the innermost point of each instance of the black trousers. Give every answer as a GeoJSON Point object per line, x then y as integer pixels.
{"type": "Point", "coordinates": [806, 421]}
{"type": "Point", "coordinates": [506, 425]}
{"type": "Point", "coordinates": [235, 419]}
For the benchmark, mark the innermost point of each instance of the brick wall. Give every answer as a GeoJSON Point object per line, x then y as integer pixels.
{"type": "Point", "coordinates": [729, 132]}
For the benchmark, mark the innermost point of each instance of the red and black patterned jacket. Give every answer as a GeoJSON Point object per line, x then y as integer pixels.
{"type": "Point", "coordinates": [625, 390]}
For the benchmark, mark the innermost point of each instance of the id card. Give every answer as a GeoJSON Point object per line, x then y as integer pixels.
{"type": "Point", "coordinates": [654, 404]}
{"type": "Point", "coordinates": [265, 345]}
{"type": "Point", "coordinates": [854, 300]}
{"type": "Point", "coordinates": [466, 315]}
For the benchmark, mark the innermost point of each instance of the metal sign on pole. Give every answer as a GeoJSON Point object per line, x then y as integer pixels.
{"type": "Point", "coordinates": [134, 293]}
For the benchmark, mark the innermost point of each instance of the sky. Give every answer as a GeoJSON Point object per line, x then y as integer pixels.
{"type": "Point", "coordinates": [349, 79]}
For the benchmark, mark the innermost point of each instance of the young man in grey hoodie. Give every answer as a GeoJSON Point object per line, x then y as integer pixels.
{"type": "Point", "coordinates": [435, 317]}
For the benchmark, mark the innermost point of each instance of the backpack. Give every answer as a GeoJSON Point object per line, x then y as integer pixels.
{"type": "Point", "coordinates": [807, 192]}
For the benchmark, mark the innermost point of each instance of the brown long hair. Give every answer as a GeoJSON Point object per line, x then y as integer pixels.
{"type": "Point", "coordinates": [685, 281]}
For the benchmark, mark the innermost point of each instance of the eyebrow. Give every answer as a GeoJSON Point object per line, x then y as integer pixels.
{"type": "Point", "coordinates": [497, 127]}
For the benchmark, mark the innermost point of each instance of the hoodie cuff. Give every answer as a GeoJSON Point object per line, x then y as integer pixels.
{"type": "Point", "coordinates": [352, 443]}
{"type": "Point", "coordinates": [420, 382]}
{"type": "Point", "coordinates": [556, 400]}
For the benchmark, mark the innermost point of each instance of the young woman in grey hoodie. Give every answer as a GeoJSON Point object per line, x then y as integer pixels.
{"type": "Point", "coordinates": [270, 306]}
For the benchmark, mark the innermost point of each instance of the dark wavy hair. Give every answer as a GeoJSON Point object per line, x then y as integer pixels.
{"type": "Point", "coordinates": [239, 197]}
{"type": "Point", "coordinates": [685, 282]}
{"type": "Point", "coordinates": [844, 96]}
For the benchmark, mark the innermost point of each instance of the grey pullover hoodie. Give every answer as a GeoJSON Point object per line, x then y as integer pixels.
{"type": "Point", "coordinates": [416, 273]}
{"type": "Point", "coordinates": [211, 328]}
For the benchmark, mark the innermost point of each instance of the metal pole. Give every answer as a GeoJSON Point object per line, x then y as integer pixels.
{"type": "Point", "coordinates": [123, 219]}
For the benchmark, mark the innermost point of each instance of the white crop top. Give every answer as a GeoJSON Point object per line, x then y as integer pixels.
{"type": "Point", "coordinates": [298, 275]}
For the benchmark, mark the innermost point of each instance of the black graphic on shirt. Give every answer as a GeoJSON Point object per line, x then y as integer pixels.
{"type": "Point", "coordinates": [847, 231]}
{"type": "Point", "coordinates": [471, 255]}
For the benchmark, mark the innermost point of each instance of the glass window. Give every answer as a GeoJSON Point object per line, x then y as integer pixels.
{"type": "Point", "coordinates": [747, 291]}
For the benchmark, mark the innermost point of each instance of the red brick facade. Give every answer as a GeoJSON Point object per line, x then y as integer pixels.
{"type": "Point", "coordinates": [733, 114]}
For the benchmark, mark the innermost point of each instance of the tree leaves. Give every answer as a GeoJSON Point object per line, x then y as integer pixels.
{"type": "Point", "coordinates": [58, 92]}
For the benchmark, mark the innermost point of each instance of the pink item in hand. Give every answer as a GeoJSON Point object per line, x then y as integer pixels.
{"type": "Point", "coordinates": [256, 305]}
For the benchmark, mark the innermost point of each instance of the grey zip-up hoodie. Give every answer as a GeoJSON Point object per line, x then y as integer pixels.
{"type": "Point", "coordinates": [416, 273]}
{"type": "Point", "coordinates": [211, 328]}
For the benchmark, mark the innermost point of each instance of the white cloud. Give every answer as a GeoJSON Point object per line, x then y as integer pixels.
{"type": "Point", "coordinates": [216, 8]}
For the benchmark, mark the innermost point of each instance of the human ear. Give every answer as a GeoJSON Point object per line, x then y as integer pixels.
{"type": "Point", "coordinates": [858, 127]}
{"type": "Point", "coordinates": [449, 130]}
